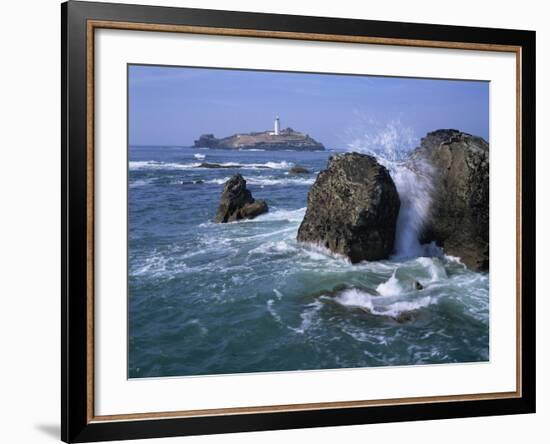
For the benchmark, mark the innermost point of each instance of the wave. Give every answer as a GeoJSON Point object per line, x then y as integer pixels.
{"type": "Point", "coordinates": [434, 267]}
{"type": "Point", "coordinates": [308, 317]}
{"type": "Point", "coordinates": [392, 287]}
{"type": "Point", "coordinates": [266, 181]}
{"type": "Point", "coordinates": [199, 156]}
{"type": "Point", "coordinates": [381, 306]}
{"type": "Point", "coordinates": [140, 183]}
{"type": "Point", "coordinates": [156, 165]}
{"type": "Point", "coordinates": [283, 215]}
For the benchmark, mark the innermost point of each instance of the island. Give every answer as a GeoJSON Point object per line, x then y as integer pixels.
{"type": "Point", "coordinates": [285, 139]}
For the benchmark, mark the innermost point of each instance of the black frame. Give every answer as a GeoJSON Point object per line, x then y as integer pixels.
{"type": "Point", "coordinates": [75, 426]}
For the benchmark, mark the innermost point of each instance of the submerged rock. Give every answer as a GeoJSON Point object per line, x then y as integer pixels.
{"type": "Point", "coordinates": [352, 208]}
{"type": "Point", "coordinates": [403, 317]}
{"type": "Point", "coordinates": [459, 214]}
{"type": "Point", "coordinates": [218, 165]}
{"type": "Point", "coordinates": [237, 203]}
{"type": "Point", "coordinates": [297, 169]}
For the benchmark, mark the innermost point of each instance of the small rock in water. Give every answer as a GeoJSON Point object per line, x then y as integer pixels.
{"type": "Point", "coordinates": [418, 285]}
{"type": "Point", "coordinates": [237, 203]}
{"type": "Point", "coordinates": [297, 169]}
{"type": "Point", "coordinates": [216, 165]}
{"type": "Point", "coordinates": [403, 317]}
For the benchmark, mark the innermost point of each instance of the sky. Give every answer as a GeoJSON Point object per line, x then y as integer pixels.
{"type": "Point", "coordinates": [175, 105]}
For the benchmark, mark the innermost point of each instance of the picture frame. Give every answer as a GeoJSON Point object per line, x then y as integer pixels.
{"type": "Point", "coordinates": [80, 21]}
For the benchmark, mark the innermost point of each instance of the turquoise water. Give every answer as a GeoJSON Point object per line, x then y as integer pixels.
{"type": "Point", "coordinates": [209, 298]}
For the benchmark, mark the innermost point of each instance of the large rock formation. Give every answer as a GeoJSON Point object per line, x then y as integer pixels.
{"type": "Point", "coordinates": [287, 139]}
{"type": "Point", "coordinates": [459, 215]}
{"type": "Point", "coordinates": [352, 208]}
{"type": "Point", "coordinates": [237, 203]}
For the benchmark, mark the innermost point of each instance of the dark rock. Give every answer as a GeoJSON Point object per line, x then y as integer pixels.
{"type": "Point", "coordinates": [207, 141]}
{"type": "Point", "coordinates": [253, 209]}
{"type": "Point", "coordinates": [402, 317]}
{"type": "Point", "coordinates": [199, 182]}
{"type": "Point", "coordinates": [352, 208]}
{"type": "Point", "coordinates": [237, 203]}
{"type": "Point", "coordinates": [459, 220]}
{"type": "Point", "coordinates": [418, 285]}
{"type": "Point", "coordinates": [217, 165]}
{"type": "Point", "coordinates": [297, 169]}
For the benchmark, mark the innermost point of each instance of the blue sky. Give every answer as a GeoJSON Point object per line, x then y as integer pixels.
{"type": "Point", "coordinates": [175, 105]}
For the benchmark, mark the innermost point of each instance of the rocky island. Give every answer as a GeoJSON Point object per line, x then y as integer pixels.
{"type": "Point", "coordinates": [278, 139]}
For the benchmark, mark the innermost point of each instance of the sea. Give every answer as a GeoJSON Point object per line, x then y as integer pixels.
{"type": "Point", "coordinates": [207, 298]}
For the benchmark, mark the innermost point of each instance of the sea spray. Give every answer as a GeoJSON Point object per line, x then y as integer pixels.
{"type": "Point", "coordinates": [391, 144]}
{"type": "Point", "coordinates": [414, 186]}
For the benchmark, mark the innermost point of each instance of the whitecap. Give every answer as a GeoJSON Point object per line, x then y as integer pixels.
{"type": "Point", "coordinates": [308, 316]}
{"type": "Point", "coordinates": [272, 311]}
{"type": "Point", "coordinates": [156, 165]}
{"type": "Point", "coordinates": [283, 215]}
{"type": "Point", "coordinates": [199, 156]}
{"type": "Point", "coordinates": [380, 305]}
{"type": "Point", "coordinates": [435, 268]}
{"type": "Point", "coordinates": [140, 183]}
{"type": "Point", "coordinates": [279, 247]}
{"type": "Point", "coordinates": [354, 297]}
{"type": "Point", "coordinates": [392, 287]}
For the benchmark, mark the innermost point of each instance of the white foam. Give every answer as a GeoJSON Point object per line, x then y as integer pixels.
{"type": "Point", "coordinates": [353, 297]}
{"type": "Point", "coordinates": [415, 193]}
{"type": "Point", "coordinates": [307, 316]}
{"type": "Point", "coordinates": [435, 268]}
{"type": "Point", "coordinates": [382, 306]}
{"type": "Point", "coordinates": [265, 181]}
{"type": "Point", "coordinates": [154, 265]}
{"type": "Point", "coordinates": [283, 215]}
{"type": "Point", "coordinates": [397, 308]}
{"type": "Point", "coordinates": [392, 287]}
{"type": "Point", "coordinates": [154, 164]}
{"type": "Point", "coordinates": [221, 181]}
{"type": "Point", "coordinates": [273, 247]}
{"type": "Point", "coordinates": [272, 311]}
{"type": "Point", "coordinates": [199, 156]}
{"type": "Point", "coordinates": [140, 183]}
{"type": "Point", "coordinates": [270, 180]}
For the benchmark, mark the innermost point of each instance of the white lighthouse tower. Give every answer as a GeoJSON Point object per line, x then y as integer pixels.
{"type": "Point", "coordinates": [276, 126]}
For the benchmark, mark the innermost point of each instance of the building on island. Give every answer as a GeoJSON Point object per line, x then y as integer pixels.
{"type": "Point", "coordinates": [276, 127]}
{"type": "Point", "coordinates": [276, 139]}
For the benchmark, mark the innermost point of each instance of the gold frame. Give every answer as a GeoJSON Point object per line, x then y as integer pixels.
{"type": "Point", "coordinates": [92, 25]}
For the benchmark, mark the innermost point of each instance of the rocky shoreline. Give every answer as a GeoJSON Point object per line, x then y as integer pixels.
{"type": "Point", "coordinates": [353, 204]}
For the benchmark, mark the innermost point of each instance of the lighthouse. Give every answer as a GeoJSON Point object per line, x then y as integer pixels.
{"type": "Point", "coordinates": [276, 126]}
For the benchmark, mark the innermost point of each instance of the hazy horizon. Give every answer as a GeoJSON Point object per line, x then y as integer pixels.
{"type": "Point", "coordinates": [173, 106]}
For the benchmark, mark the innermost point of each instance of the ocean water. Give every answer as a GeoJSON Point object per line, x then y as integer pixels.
{"type": "Point", "coordinates": [208, 298]}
